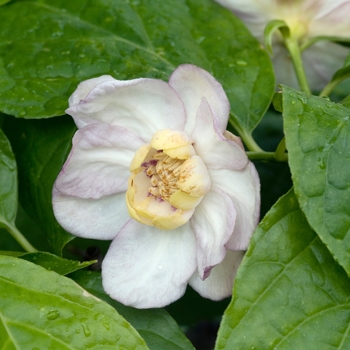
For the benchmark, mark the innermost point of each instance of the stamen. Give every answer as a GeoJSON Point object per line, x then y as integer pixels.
{"type": "Point", "coordinates": [154, 180]}
{"type": "Point", "coordinates": [164, 172]}
{"type": "Point", "coordinates": [151, 170]}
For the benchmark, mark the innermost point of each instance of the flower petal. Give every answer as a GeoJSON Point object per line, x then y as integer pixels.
{"type": "Point", "coordinates": [220, 281]}
{"type": "Point", "coordinates": [86, 86]}
{"type": "Point", "coordinates": [192, 84]}
{"type": "Point", "coordinates": [331, 18]}
{"type": "Point", "coordinates": [142, 106]}
{"type": "Point", "coordinates": [212, 222]}
{"type": "Point", "coordinates": [243, 187]}
{"type": "Point", "coordinates": [91, 218]}
{"type": "Point", "coordinates": [98, 164]}
{"type": "Point", "coordinates": [146, 267]}
{"type": "Point", "coordinates": [321, 61]}
{"type": "Point", "coordinates": [216, 151]}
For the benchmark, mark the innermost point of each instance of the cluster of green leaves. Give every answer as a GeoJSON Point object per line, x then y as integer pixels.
{"type": "Point", "coordinates": [292, 289]}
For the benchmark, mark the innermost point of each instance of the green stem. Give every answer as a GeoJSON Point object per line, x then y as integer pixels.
{"type": "Point", "coordinates": [340, 76]}
{"type": "Point", "coordinates": [17, 235]}
{"type": "Point", "coordinates": [329, 88]}
{"type": "Point", "coordinates": [280, 152]}
{"type": "Point", "coordinates": [295, 54]}
{"type": "Point", "coordinates": [246, 137]}
{"type": "Point", "coordinates": [271, 156]}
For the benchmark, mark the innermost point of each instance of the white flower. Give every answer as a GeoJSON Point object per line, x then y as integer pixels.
{"type": "Point", "coordinates": [307, 19]}
{"type": "Point", "coordinates": [153, 169]}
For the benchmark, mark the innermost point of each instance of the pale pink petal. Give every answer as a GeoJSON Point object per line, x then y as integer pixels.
{"type": "Point", "coordinates": [192, 84]}
{"type": "Point", "coordinates": [85, 87]}
{"type": "Point", "coordinates": [243, 187]}
{"type": "Point", "coordinates": [321, 61]}
{"type": "Point", "coordinates": [213, 223]}
{"type": "Point", "coordinates": [98, 164]}
{"type": "Point", "coordinates": [331, 18]}
{"type": "Point", "coordinates": [283, 67]}
{"type": "Point", "coordinates": [220, 281]}
{"type": "Point", "coordinates": [91, 218]}
{"type": "Point", "coordinates": [146, 267]}
{"type": "Point", "coordinates": [141, 106]}
{"type": "Point", "coordinates": [216, 151]}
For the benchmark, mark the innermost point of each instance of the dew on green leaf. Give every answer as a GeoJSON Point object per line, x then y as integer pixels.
{"type": "Point", "coordinates": [53, 314]}
{"type": "Point", "coordinates": [321, 162]}
{"type": "Point", "coordinates": [106, 325]}
{"type": "Point", "coordinates": [86, 329]}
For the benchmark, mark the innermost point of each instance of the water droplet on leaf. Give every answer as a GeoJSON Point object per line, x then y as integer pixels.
{"type": "Point", "coordinates": [52, 314]}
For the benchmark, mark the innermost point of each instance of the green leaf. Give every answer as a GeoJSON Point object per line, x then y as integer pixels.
{"type": "Point", "coordinates": [40, 309]}
{"type": "Point", "coordinates": [277, 102]}
{"type": "Point", "coordinates": [10, 253]}
{"type": "Point", "coordinates": [289, 292]}
{"type": "Point", "coordinates": [8, 183]}
{"type": "Point", "coordinates": [53, 262]}
{"type": "Point", "coordinates": [156, 326]}
{"type": "Point", "coordinates": [317, 135]}
{"type": "Point", "coordinates": [8, 194]}
{"type": "Point", "coordinates": [3, 2]}
{"type": "Point", "coordinates": [41, 147]}
{"type": "Point", "coordinates": [48, 47]}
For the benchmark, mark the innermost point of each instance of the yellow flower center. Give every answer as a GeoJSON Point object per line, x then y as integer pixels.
{"type": "Point", "coordinates": [296, 17]}
{"type": "Point", "coordinates": [298, 28]}
{"type": "Point", "coordinates": [164, 172]}
{"type": "Point", "coordinates": [168, 180]}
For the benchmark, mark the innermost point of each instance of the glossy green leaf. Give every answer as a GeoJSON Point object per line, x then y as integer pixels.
{"type": "Point", "coordinates": [41, 147]}
{"type": "Point", "coordinates": [8, 196]}
{"type": "Point", "coordinates": [156, 326]}
{"type": "Point", "coordinates": [317, 135]}
{"type": "Point", "coordinates": [8, 183]}
{"type": "Point", "coordinates": [40, 309]}
{"type": "Point", "coordinates": [54, 263]}
{"type": "Point", "coordinates": [10, 253]}
{"type": "Point", "coordinates": [289, 292]}
{"type": "Point", "coordinates": [48, 47]}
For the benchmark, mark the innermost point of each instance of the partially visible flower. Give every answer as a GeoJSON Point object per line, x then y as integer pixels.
{"type": "Point", "coordinates": [153, 169]}
{"type": "Point", "coordinates": [307, 19]}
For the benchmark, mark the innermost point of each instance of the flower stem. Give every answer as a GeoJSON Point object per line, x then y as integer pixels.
{"type": "Point", "coordinates": [328, 88]}
{"type": "Point", "coordinates": [271, 156]}
{"type": "Point", "coordinates": [22, 241]}
{"type": "Point", "coordinates": [246, 137]}
{"type": "Point", "coordinates": [295, 54]}
{"type": "Point", "coordinates": [280, 153]}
